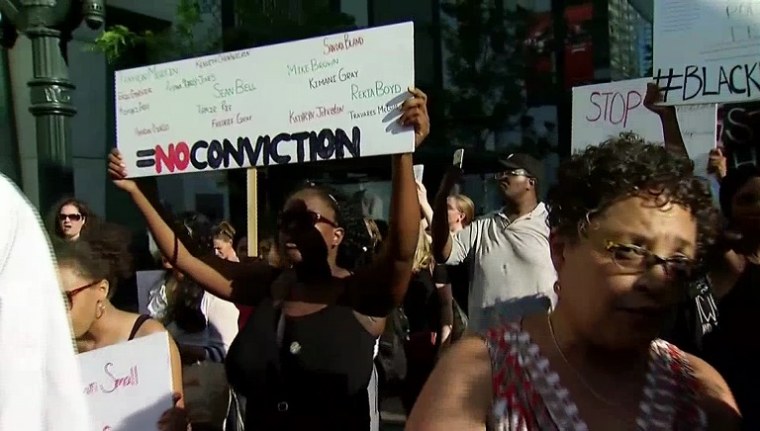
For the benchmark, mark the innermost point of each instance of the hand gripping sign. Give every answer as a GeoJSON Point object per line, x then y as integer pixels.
{"type": "Point", "coordinates": [325, 98]}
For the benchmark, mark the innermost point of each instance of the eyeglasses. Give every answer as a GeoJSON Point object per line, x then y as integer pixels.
{"type": "Point", "coordinates": [633, 257]}
{"type": "Point", "coordinates": [289, 219]}
{"type": "Point", "coordinates": [512, 173]}
{"type": "Point", "coordinates": [72, 217]}
{"type": "Point", "coordinates": [70, 294]}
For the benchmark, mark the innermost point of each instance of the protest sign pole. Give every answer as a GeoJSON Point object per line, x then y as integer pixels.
{"type": "Point", "coordinates": [252, 205]}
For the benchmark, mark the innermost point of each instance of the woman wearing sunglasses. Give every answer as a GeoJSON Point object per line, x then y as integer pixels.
{"type": "Point", "coordinates": [88, 269]}
{"type": "Point", "coordinates": [304, 359]}
{"type": "Point", "coordinates": [628, 223]}
{"type": "Point", "coordinates": [70, 218]}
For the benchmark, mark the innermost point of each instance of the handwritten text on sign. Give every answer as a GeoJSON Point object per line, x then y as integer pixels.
{"type": "Point", "coordinates": [325, 98]}
{"type": "Point", "coordinates": [739, 132]}
{"type": "Point", "coordinates": [128, 385]}
{"type": "Point", "coordinates": [604, 110]}
{"type": "Point", "coordinates": [707, 51]}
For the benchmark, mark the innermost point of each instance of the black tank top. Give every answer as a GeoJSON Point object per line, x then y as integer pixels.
{"type": "Point", "coordinates": [316, 380]}
{"type": "Point", "coordinates": [136, 326]}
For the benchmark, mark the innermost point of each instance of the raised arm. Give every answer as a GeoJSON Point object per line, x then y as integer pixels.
{"type": "Point", "coordinates": [425, 208]}
{"type": "Point", "coordinates": [375, 290]}
{"type": "Point", "coordinates": [439, 228]}
{"type": "Point", "coordinates": [236, 282]}
{"type": "Point", "coordinates": [671, 131]}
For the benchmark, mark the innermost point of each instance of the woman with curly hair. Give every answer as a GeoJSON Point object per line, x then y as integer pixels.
{"type": "Point", "coordinates": [304, 359]}
{"type": "Point", "coordinates": [628, 222]}
{"type": "Point", "coordinates": [88, 270]}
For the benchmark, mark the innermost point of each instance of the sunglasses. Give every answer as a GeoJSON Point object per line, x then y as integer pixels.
{"type": "Point", "coordinates": [70, 294]}
{"type": "Point", "coordinates": [512, 173]}
{"type": "Point", "coordinates": [302, 218]}
{"type": "Point", "coordinates": [72, 217]}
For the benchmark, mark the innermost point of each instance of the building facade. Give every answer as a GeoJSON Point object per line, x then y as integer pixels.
{"type": "Point", "coordinates": [540, 49]}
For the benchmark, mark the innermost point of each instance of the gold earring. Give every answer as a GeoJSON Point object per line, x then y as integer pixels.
{"type": "Point", "coordinates": [101, 309]}
{"type": "Point", "coordinates": [557, 287]}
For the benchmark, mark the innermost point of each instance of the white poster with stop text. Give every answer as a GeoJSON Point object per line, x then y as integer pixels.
{"type": "Point", "coordinates": [128, 386]}
{"type": "Point", "coordinates": [603, 111]}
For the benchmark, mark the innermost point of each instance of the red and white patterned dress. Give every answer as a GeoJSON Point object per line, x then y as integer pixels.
{"type": "Point", "coordinates": [528, 395]}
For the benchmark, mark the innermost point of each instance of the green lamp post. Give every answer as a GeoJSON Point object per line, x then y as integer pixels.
{"type": "Point", "coordinates": [49, 25]}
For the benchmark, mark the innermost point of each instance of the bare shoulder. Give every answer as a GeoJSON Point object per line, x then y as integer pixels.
{"type": "Point", "coordinates": [457, 396]}
{"type": "Point", "coordinates": [715, 397]}
{"type": "Point", "coordinates": [149, 327]}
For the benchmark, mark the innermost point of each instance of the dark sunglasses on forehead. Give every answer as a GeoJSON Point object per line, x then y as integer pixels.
{"type": "Point", "coordinates": [70, 294]}
{"type": "Point", "coordinates": [72, 217]}
{"type": "Point", "coordinates": [302, 218]}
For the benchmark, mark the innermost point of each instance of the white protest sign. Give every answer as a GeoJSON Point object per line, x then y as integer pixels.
{"type": "Point", "coordinates": [419, 171]}
{"type": "Point", "coordinates": [128, 385]}
{"type": "Point", "coordinates": [707, 51]}
{"type": "Point", "coordinates": [330, 97]}
{"type": "Point", "coordinates": [605, 110]}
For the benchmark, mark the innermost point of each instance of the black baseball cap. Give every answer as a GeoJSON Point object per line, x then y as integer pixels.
{"type": "Point", "coordinates": [533, 167]}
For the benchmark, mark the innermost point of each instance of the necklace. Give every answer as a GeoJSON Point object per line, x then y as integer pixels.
{"type": "Point", "coordinates": [577, 373]}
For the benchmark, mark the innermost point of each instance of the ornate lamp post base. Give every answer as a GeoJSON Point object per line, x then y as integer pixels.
{"type": "Point", "coordinates": [49, 25]}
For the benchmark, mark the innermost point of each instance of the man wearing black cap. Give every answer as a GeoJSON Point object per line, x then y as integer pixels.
{"type": "Point", "coordinates": [511, 272]}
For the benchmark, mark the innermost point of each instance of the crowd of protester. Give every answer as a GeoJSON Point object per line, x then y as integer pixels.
{"type": "Point", "coordinates": [623, 300]}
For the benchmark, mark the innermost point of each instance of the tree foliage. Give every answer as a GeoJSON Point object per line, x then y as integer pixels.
{"type": "Point", "coordinates": [260, 25]}
{"type": "Point", "coordinates": [257, 22]}
{"type": "Point", "coordinates": [484, 91]}
{"type": "Point", "coordinates": [183, 39]}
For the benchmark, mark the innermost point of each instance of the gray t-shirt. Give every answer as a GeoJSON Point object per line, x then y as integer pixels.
{"type": "Point", "coordinates": [511, 271]}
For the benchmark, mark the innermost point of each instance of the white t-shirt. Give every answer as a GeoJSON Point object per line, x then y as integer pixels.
{"type": "Point", "coordinates": [221, 323]}
{"type": "Point", "coordinates": [40, 383]}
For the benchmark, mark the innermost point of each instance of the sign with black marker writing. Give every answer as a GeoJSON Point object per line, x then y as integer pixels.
{"type": "Point", "coordinates": [324, 98]}
{"type": "Point", "coordinates": [739, 133]}
{"type": "Point", "coordinates": [707, 51]}
{"type": "Point", "coordinates": [602, 111]}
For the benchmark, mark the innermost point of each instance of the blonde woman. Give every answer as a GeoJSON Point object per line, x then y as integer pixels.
{"type": "Point", "coordinates": [224, 242]}
{"type": "Point", "coordinates": [453, 281]}
{"type": "Point", "coordinates": [422, 307]}
{"type": "Point", "coordinates": [460, 210]}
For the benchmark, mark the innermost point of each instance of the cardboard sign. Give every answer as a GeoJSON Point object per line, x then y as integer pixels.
{"type": "Point", "coordinates": [128, 385]}
{"type": "Point", "coordinates": [739, 131]}
{"type": "Point", "coordinates": [325, 98]}
{"type": "Point", "coordinates": [706, 51]}
{"type": "Point", "coordinates": [605, 110]}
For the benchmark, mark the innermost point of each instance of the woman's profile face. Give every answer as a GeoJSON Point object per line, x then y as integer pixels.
{"type": "Point", "coordinates": [82, 296]}
{"type": "Point", "coordinates": [223, 249]}
{"type": "Point", "coordinates": [453, 213]}
{"type": "Point", "coordinates": [616, 296]}
{"type": "Point", "coordinates": [71, 221]}
{"type": "Point", "coordinates": [308, 228]}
